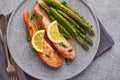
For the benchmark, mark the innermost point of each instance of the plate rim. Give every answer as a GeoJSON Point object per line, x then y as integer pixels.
{"type": "Point", "coordinates": [98, 37]}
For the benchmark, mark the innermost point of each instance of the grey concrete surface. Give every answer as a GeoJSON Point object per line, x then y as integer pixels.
{"type": "Point", "coordinates": [106, 67]}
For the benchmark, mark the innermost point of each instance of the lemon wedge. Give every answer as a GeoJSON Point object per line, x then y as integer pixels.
{"type": "Point", "coordinates": [53, 32]}
{"type": "Point", "coordinates": [37, 41]}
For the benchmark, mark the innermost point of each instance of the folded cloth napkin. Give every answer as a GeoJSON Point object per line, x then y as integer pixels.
{"type": "Point", "coordinates": [106, 43]}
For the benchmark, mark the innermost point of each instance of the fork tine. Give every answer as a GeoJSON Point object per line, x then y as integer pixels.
{"type": "Point", "coordinates": [9, 76]}
{"type": "Point", "coordinates": [15, 76]}
{"type": "Point", "coordinates": [12, 76]}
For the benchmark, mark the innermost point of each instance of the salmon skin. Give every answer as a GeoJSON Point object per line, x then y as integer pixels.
{"type": "Point", "coordinates": [68, 51]}
{"type": "Point", "coordinates": [53, 59]}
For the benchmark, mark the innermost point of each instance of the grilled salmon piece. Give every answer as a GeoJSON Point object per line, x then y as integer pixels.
{"type": "Point", "coordinates": [65, 48]}
{"type": "Point", "coordinates": [48, 56]}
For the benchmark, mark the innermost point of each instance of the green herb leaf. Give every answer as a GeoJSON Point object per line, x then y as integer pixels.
{"type": "Point", "coordinates": [63, 45]}
{"type": "Point", "coordinates": [64, 3]}
{"type": "Point", "coordinates": [39, 28]}
{"type": "Point", "coordinates": [48, 14]}
{"type": "Point", "coordinates": [70, 50]}
{"type": "Point", "coordinates": [57, 7]}
{"type": "Point", "coordinates": [60, 30]}
{"type": "Point", "coordinates": [66, 61]}
{"type": "Point", "coordinates": [67, 36]}
{"type": "Point", "coordinates": [47, 55]}
{"type": "Point", "coordinates": [55, 51]}
{"type": "Point", "coordinates": [58, 21]}
{"type": "Point", "coordinates": [28, 37]}
{"type": "Point", "coordinates": [40, 17]}
{"type": "Point", "coordinates": [30, 27]}
{"type": "Point", "coordinates": [78, 32]}
{"type": "Point", "coordinates": [32, 16]}
{"type": "Point", "coordinates": [34, 50]}
{"type": "Point", "coordinates": [74, 25]}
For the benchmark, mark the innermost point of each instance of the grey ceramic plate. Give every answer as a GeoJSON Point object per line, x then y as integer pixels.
{"type": "Point", "coordinates": [29, 62]}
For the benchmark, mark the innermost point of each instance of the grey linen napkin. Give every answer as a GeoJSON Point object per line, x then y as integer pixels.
{"type": "Point", "coordinates": [106, 42]}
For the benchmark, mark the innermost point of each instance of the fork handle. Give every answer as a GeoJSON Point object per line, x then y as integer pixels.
{"type": "Point", "coordinates": [3, 27]}
{"type": "Point", "coordinates": [4, 40]}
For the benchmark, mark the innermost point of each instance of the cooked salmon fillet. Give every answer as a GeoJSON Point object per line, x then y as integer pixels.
{"type": "Point", "coordinates": [53, 60]}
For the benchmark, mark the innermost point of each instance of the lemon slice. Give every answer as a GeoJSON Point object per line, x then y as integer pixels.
{"type": "Point", "coordinates": [53, 32]}
{"type": "Point", "coordinates": [37, 40]}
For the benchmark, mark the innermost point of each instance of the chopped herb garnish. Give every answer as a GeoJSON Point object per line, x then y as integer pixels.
{"type": "Point", "coordinates": [48, 14]}
{"type": "Point", "coordinates": [67, 36]}
{"type": "Point", "coordinates": [28, 37]}
{"type": "Point", "coordinates": [60, 30]}
{"type": "Point", "coordinates": [55, 51]}
{"type": "Point", "coordinates": [58, 21]}
{"type": "Point", "coordinates": [47, 55]}
{"type": "Point", "coordinates": [30, 27]}
{"type": "Point", "coordinates": [67, 61]}
{"type": "Point", "coordinates": [63, 45]}
{"type": "Point", "coordinates": [34, 50]}
{"type": "Point", "coordinates": [57, 7]}
{"type": "Point", "coordinates": [78, 32]}
{"type": "Point", "coordinates": [32, 16]}
{"type": "Point", "coordinates": [74, 25]}
{"type": "Point", "coordinates": [64, 3]}
{"type": "Point", "coordinates": [39, 28]}
{"type": "Point", "coordinates": [70, 50]}
{"type": "Point", "coordinates": [40, 17]}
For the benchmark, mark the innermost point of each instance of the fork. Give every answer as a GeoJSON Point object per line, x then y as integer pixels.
{"type": "Point", "coordinates": [10, 68]}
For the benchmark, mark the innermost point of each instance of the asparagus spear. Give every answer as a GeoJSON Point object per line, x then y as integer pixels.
{"type": "Point", "coordinates": [66, 34]}
{"type": "Point", "coordinates": [68, 6]}
{"type": "Point", "coordinates": [57, 4]}
{"type": "Point", "coordinates": [84, 37]}
{"type": "Point", "coordinates": [68, 27]}
{"type": "Point", "coordinates": [71, 21]}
